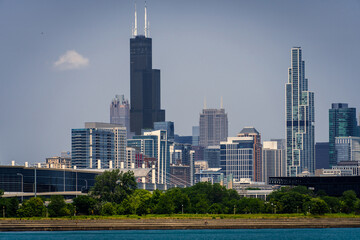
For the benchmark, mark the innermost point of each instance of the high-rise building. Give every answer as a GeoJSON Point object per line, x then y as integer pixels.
{"type": "Point", "coordinates": [145, 98]}
{"type": "Point", "coordinates": [237, 158]}
{"type": "Point", "coordinates": [168, 126]}
{"type": "Point", "coordinates": [342, 123]}
{"type": "Point", "coordinates": [154, 144]}
{"type": "Point", "coordinates": [120, 112]}
{"type": "Point", "coordinates": [322, 155]}
{"type": "Point", "coordinates": [213, 126]}
{"type": "Point", "coordinates": [88, 145]}
{"type": "Point", "coordinates": [347, 149]}
{"type": "Point", "coordinates": [252, 132]}
{"type": "Point", "coordinates": [120, 133]}
{"type": "Point", "coordinates": [273, 159]}
{"type": "Point", "coordinates": [212, 156]}
{"type": "Point", "coordinates": [300, 118]}
{"type": "Point", "coordinates": [195, 135]}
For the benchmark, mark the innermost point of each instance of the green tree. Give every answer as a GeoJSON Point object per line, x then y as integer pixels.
{"type": "Point", "coordinates": [57, 206]}
{"type": "Point", "coordinates": [333, 204]}
{"type": "Point", "coordinates": [180, 199]}
{"type": "Point", "coordinates": [114, 186]}
{"type": "Point", "coordinates": [316, 206]}
{"type": "Point", "coordinates": [349, 198]}
{"type": "Point", "coordinates": [215, 208]}
{"type": "Point", "coordinates": [165, 205]}
{"type": "Point", "coordinates": [140, 198]}
{"type": "Point", "coordinates": [34, 207]}
{"type": "Point", "coordinates": [108, 209]}
{"type": "Point", "coordinates": [84, 204]}
{"type": "Point", "coordinates": [10, 205]}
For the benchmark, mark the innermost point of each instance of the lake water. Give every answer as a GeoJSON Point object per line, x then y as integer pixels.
{"type": "Point", "coordinates": [226, 234]}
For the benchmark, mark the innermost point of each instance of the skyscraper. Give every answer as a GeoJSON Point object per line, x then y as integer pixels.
{"type": "Point", "coordinates": [273, 162]}
{"type": "Point", "coordinates": [144, 84]}
{"type": "Point", "coordinates": [300, 118]}
{"type": "Point", "coordinates": [342, 123]}
{"type": "Point", "coordinates": [252, 132]}
{"type": "Point", "coordinates": [213, 126]}
{"type": "Point", "coordinates": [120, 112]}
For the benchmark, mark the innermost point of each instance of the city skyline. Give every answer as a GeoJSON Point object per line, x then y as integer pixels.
{"type": "Point", "coordinates": [40, 94]}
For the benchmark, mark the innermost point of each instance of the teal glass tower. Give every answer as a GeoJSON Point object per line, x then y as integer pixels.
{"type": "Point", "coordinates": [300, 118]}
{"type": "Point", "coordinates": [342, 123]}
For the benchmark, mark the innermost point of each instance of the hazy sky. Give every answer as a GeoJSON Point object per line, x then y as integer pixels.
{"type": "Point", "coordinates": [63, 61]}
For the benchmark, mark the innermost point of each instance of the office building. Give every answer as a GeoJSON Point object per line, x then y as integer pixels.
{"type": "Point", "coordinates": [120, 112]}
{"type": "Point", "coordinates": [347, 149]}
{"type": "Point", "coordinates": [168, 126]}
{"type": "Point", "coordinates": [213, 126]}
{"type": "Point", "coordinates": [322, 155]}
{"type": "Point", "coordinates": [145, 93]}
{"type": "Point", "coordinates": [237, 158]}
{"type": "Point", "coordinates": [90, 145]}
{"type": "Point", "coordinates": [154, 144]}
{"type": "Point", "coordinates": [102, 142]}
{"type": "Point", "coordinates": [252, 132]}
{"type": "Point", "coordinates": [195, 135]}
{"type": "Point", "coordinates": [342, 123]}
{"type": "Point", "coordinates": [183, 139]}
{"type": "Point", "coordinates": [58, 162]}
{"type": "Point", "coordinates": [120, 136]}
{"type": "Point", "coordinates": [212, 156]}
{"type": "Point", "coordinates": [300, 119]}
{"type": "Point", "coordinates": [273, 160]}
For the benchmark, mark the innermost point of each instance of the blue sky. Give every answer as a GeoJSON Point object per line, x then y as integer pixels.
{"type": "Point", "coordinates": [239, 50]}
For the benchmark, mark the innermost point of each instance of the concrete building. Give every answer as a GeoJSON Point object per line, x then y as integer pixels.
{"type": "Point", "coordinates": [300, 119]}
{"type": "Point", "coordinates": [120, 112]}
{"type": "Point", "coordinates": [273, 160]}
{"type": "Point", "coordinates": [213, 126]}
{"type": "Point", "coordinates": [342, 123]}
{"type": "Point", "coordinates": [58, 162]}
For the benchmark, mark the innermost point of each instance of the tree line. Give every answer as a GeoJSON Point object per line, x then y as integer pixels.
{"type": "Point", "coordinates": [116, 193]}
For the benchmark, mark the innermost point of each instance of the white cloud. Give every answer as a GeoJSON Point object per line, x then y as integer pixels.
{"type": "Point", "coordinates": [71, 60]}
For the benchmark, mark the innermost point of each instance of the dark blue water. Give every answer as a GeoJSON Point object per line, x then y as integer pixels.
{"type": "Point", "coordinates": [243, 234]}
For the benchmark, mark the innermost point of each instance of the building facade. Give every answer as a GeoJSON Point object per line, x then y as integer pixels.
{"type": "Point", "coordinates": [252, 132]}
{"type": "Point", "coordinates": [347, 149]}
{"type": "Point", "coordinates": [212, 156]}
{"type": "Point", "coordinates": [322, 155]}
{"type": "Point", "coordinates": [144, 86]}
{"type": "Point", "coordinates": [342, 123]}
{"type": "Point", "coordinates": [237, 158]}
{"type": "Point", "coordinates": [300, 118]}
{"type": "Point", "coordinates": [273, 160]}
{"type": "Point", "coordinates": [213, 125]}
{"type": "Point", "coordinates": [88, 145]}
{"type": "Point", "coordinates": [168, 126]}
{"type": "Point", "coordinates": [120, 112]}
{"type": "Point", "coordinates": [154, 144]}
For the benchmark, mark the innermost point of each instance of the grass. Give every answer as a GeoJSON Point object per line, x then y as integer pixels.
{"type": "Point", "coordinates": [195, 216]}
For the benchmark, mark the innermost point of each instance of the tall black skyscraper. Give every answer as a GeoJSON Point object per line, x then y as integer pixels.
{"type": "Point", "coordinates": [145, 98]}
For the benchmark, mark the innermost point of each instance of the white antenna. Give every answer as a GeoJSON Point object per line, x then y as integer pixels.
{"type": "Point", "coordinates": [135, 28]}
{"type": "Point", "coordinates": [145, 28]}
{"type": "Point", "coordinates": [204, 102]}
{"type": "Point", "coordinates": [221, 103]}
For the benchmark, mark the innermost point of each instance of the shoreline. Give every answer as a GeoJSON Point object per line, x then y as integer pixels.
{"type": "Point", "coordinates": [173, 224]}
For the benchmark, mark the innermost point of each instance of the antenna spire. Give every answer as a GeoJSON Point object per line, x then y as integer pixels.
{"type": "Point", "coordinates": [135, 28]}
{"type": "Point", "coordinates": [146, 27]}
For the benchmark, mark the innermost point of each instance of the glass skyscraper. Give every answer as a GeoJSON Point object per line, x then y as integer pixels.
{"type": "Point", "coordinates": [342, 123]}
{"type": "Point", "coordinates": [300, 118]}
{"type": "Point", "coordinates": [213, 125]}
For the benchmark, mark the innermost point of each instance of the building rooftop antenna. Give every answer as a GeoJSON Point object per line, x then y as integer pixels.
{"type": "Point", "coordinates": [135, 28]}
{"type": "Point", "coordinates": [146, 27]}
